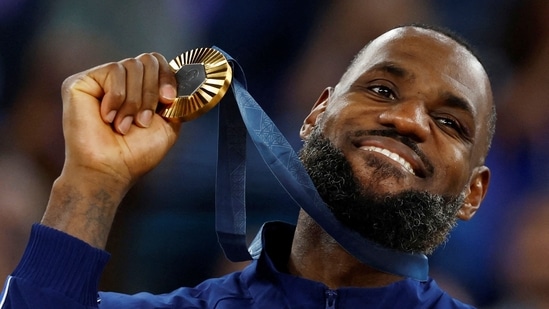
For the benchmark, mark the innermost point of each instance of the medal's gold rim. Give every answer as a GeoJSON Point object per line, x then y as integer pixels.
{"type": "Point", "coordinates": [211, 91]}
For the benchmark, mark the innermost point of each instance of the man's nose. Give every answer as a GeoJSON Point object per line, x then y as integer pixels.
{"type": "Point", "coordinates": [409, 118]}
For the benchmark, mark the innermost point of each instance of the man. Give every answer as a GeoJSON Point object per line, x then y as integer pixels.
{"type": "Point", "coordinates": [396, 150]}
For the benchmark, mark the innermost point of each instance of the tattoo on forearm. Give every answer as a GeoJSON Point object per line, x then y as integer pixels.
{"type": "Point", "coordinates": [83, 215]}
{"type": "Point", "coordinates": [99, 216]}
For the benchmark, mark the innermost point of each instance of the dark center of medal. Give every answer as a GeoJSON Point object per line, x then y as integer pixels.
{"type": "Point", "coordinates": [189, 78]}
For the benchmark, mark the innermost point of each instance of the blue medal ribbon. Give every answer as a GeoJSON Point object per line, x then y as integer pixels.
{"type": "Point", "coordinates": [246, 116]}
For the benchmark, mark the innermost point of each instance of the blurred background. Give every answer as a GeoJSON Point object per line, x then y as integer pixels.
{"type": "Point", "coordinates": [163, 236]}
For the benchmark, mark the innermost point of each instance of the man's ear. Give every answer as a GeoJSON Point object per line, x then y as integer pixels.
{"type": "Point", "coordinates": [318, 108]}
{"type": "Point", "coordinates": [478, 186]}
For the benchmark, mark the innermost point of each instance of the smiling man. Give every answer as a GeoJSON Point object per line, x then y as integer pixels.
{"type": "Point", "coordinates": [396, 150]}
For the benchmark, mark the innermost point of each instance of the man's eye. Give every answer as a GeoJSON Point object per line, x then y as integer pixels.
{"type": "Point", "coordinates": [450, 123]}
{"type": "Point", "coordinates": [383, 91]}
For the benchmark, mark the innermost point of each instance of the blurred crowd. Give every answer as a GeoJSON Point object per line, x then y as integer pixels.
{"type": "Point", "coordinates": [163, 236]}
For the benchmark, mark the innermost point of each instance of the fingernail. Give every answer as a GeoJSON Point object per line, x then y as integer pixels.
{"type": "Point", "coordinates": [168, 92]}
{"type": "Point", "coordinates": [145, 117]}
{"type": "Point", "coordinates": [110, 116]}
{"type": "Point", "coordinates": [125, 124]}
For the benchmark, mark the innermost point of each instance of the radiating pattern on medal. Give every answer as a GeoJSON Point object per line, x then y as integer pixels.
{"type": "Point", "coordinates": [203, 77]}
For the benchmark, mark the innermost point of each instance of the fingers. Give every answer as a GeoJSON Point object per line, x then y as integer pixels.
{"type": "Point", "coordinates": [133, 88]}
{"type": "Point", "coordinates": [166, 78]}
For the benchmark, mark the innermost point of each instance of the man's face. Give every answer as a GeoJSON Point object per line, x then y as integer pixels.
{"type": "Point", "coordinates": [410, 121]}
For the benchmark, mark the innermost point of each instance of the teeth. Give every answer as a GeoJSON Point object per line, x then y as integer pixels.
{"type": "Point", "coordinates": [392, 156]}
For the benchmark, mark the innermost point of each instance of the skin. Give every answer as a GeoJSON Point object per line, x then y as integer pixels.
{"type": "Point", "coordinates": [113, 137]}
{"type": "Point", "coordinates": [409, 80]}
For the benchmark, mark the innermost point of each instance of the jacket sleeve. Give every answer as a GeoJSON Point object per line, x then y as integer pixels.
{"type": "Point", "coordinates": [56, 271]}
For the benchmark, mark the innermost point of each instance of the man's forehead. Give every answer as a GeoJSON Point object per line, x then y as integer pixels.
{"type": "Point", "coordinates": [428, 48]}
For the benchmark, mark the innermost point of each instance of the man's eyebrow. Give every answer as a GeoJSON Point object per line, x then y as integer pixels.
{"type": "Point", "coordinates": [454, 101]}
{"type": "Point", "coordinates": [393, 69]}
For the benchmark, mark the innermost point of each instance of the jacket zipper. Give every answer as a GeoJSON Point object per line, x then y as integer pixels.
{"type": "Point", "coordinates": [331, 296]}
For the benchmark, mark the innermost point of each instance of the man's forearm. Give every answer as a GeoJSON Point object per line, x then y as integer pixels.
{"type": "Point", "coordinates": [82, 210]}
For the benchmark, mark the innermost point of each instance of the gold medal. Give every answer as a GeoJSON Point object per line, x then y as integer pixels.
{"type": "Point", "coordinates": [203, 77]}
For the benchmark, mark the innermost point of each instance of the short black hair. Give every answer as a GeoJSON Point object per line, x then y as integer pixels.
{"type": "Point", "coordinates": [448, 33]}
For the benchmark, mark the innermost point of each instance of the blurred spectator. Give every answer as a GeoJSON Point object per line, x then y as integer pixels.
{"type": "Point", "coordinates": [523, 148]}
{"type": "Point", "coordinates": [23, 196]}
{"type": "Point", "coordinates": [19, 20]}
{"type": "Point", "coordinates": [23, 189]}
{"type": "Point", "coordinates": [524, 124]}
{"type": "Point", "coordinates": [523, 271]}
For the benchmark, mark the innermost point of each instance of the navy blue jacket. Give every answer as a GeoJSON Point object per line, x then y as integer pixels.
{"type": "Point", "coordinates": [60, 271]}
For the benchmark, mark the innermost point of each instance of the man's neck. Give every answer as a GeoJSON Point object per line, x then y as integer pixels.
{"type": "Point", "coordinates": [317, 256]}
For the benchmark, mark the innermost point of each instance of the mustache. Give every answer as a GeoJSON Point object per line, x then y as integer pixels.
{"type": "Point", "coordinates": [412, 144]}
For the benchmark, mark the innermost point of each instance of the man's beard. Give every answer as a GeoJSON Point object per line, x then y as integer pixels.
{"type": "Point", "coordinates": [410, 221]}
